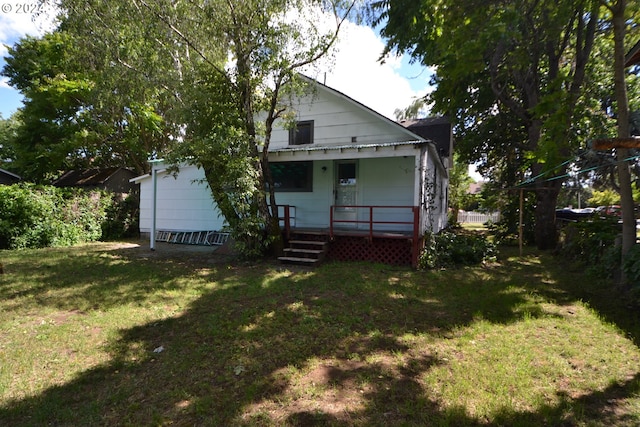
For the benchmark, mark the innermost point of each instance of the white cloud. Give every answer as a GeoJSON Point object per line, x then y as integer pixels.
{"type": "Point", "coordinates": [358, 73]}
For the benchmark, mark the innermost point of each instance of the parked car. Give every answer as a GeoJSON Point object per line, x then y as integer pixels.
{"type": "Point", "coordinates": [612, 210]}
{"type": "Point", "coordinates": [573, 215]}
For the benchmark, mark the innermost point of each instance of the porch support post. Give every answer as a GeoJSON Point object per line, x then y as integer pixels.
{"type": "Point", "coordinates": [415, 243]}
{"type": "Point", "coordinates": [287, 222]}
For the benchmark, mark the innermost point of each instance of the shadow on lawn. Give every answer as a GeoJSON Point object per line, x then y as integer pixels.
{"type": "Point", "coordinates": [233, 356]}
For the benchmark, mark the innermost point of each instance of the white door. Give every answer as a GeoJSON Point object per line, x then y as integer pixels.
{"type": "Point", "coordinates": [346, 193]}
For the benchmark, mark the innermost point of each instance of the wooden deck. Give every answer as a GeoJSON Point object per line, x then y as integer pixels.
{"type": "Point", "coordinates": [386, 234]}
{"type": "Point", "coordinates": [387, 247]}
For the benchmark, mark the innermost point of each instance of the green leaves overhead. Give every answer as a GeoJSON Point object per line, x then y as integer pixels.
{"type": "Point", "coordinates": [510, 73]}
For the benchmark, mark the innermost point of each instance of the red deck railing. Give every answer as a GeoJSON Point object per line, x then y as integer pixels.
{"type": "Point", "coordinates": [371, 222]}
{"type": "Point", "coordinates": [368, 219]}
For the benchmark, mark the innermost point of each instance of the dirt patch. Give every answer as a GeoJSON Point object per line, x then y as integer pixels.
{"type": "Point", "coordinates": [197, 254]}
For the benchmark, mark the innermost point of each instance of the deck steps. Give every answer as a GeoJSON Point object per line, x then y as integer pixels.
{"type": "Point", "coordinates": [305, 250]}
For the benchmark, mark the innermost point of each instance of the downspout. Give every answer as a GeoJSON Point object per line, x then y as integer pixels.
{"type": "Point", "coordinates": [154, 202]}
{"type": "Point", "coordinates": [154, 180]}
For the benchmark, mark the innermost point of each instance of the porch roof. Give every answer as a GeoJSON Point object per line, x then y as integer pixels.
{"type": "Point", "coordinates": [324, 148]}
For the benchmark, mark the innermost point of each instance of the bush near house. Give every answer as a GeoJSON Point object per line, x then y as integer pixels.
{"type": "Point", "coordinates": [592, 244]}
{"type": "Point", "coordinates": [454, 247]}
{"type": "Point", "coordinates": [40, 216]}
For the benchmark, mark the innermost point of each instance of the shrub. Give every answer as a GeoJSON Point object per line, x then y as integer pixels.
{"type": "Point", "coordinates": [453, 249]}
{"type": "Point", "coordinates": [122, 218]}
{"type": "Point", "coordinates": [631, 268]}
{"type": "Point", "coordinates": [40, 216]}
{"type": "Point", "coordinates": [592, 243]}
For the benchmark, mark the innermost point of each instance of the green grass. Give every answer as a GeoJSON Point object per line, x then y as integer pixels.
{"type": "Point", "coordinates": [526, 341]}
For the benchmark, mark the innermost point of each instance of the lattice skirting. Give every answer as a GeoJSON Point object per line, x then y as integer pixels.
{"type": "Point", "coordinates": [386, 251]}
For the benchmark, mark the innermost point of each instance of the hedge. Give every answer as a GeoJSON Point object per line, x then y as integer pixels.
{"type": "Point", "coordinates": [40, 216]}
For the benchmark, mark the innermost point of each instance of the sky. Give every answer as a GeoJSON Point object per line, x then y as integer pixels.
{"type": "Point", "coordinates": [16, 20]}
{"type": "Point", "coordinates": [355, 72]}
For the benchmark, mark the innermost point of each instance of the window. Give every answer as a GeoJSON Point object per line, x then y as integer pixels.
{"type": "Point", "coordinates": [292, 176]}
{"type": "Point", "coordinates": [301, 133]}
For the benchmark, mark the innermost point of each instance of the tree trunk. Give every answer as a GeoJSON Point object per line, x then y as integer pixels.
{"type": "Point", "coordinates": [545, 214]}
{"type": "Point", "coordinates": [624, 175]}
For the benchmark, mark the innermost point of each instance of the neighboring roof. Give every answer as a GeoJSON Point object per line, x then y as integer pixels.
{"type": "Point", "coordinates": [87, 177]}
{"type": "Point", "coordinates": [7, 177]}
{"type": "Point", "coordinates": [13, 175]}
{"type": "Point", "coordinates": [436, 129]}
{"type": "Point", "coordinates": [633, 56]}
{"type": "Point", "coordinates": [475, 187]}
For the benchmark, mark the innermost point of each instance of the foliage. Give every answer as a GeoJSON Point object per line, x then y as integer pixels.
{"type": "Point", "coordinates": [592, 244]}
{"type": "Point", "coordinates": [507, 230]}
{"type": "Point", "coordinates": [450, 248]}
{"type": "Point", "coordinates": [122, 217]}
{"type": "Point", "coordinates": [77, 112]}
{"type": "Point", "coordinates": [54, 92]}
{"type": "Point", "coordinates": [214, 59]}
{"type": "Point", "coordinates": [518, 79]}
{"type": "Point", "coordinates": [459, 181]}
{"type": "Point", "coordinates": [8, 131]}
{"type": "Point", "coordinates": [41, 216]}
{"type": "Point", "coordinates": [631, 269]}
{"type": "Point", "coordinates": [605, 197]}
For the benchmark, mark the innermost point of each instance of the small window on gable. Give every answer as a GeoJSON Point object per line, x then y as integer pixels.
{"type": "Point", "coordinates": [301, 133]}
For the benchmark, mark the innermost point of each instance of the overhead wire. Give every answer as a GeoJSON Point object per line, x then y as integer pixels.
{"type": "Point", "coordinates": [581, 171]}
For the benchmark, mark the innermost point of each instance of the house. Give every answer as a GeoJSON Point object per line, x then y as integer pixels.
{"type": "Point", "coordinates": [366, 187]}
{"type": "Point", "coordinates": [8, 178]}
{"type": "Point", "coordinates": [633, 56]}
{"type": "Point", "coordinates": [116, 180]}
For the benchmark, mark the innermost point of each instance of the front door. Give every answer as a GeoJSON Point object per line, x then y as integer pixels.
{"type": "Point", "coordinates": [346, 193]}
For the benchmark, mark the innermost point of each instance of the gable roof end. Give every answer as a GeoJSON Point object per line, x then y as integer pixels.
{"type": "Point", "coordinates": [412, 135]}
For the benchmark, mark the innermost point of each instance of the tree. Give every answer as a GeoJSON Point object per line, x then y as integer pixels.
{"type": "Point", "coordinates": [512, 71]}
{"type": "Point", "coordinates": [71, 119]}
{"type": "Point", "coordinates": [8, 131]}
{"type": "Point", "coordinates": [459, 181]}
{"type": "Point", "coordinates": [54, 96]}
{"type": "Point", "coordinates": [618, 19]}
{"type": "Point", "coordinates": [233, 60]}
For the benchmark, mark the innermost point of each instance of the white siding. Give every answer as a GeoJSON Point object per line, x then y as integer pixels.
{"type": "Point", "coordinates": [337, 120]}
{"type": "Point", "coordinates": [183, 204]}
{"type": "Point", "coordinates": [388, 182]}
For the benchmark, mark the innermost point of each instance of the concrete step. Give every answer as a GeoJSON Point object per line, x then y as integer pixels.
{"type": "Point", "coordinates": [305, 251]}
{"type": "Point", "coordinates": [308, 242]}
{"type": "Point", "coordinates": [298, 260]}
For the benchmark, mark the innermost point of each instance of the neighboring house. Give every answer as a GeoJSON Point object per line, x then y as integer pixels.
{"type": "Point", "coordinates": [8, 178]}
{"type": "Point", "coordinates": [633, 56]}
{"type": "Point", "coordinates": [115, 180]}
{"type": "Point", "coordinates": [368, 185]}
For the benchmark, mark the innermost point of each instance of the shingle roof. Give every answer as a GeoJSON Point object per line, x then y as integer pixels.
{"type": "Point", "coordinates": [87, 177]}
{"type": "Point", "coordinates": [633, 56]}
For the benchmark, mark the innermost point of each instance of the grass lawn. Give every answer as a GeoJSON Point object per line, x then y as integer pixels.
{"type": "Point", "coordinates": [112, 334]}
